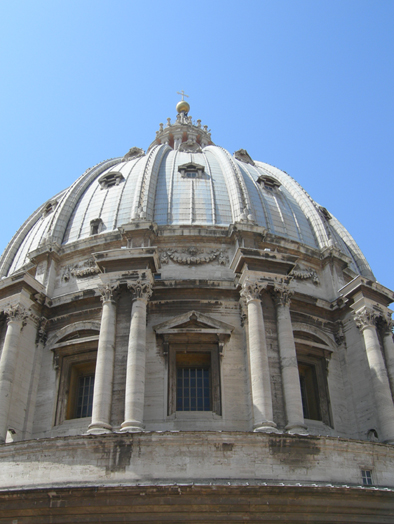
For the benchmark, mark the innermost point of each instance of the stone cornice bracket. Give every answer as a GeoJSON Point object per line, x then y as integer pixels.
{"type": "Point", "coordinates": [339, 334]}
{"type": "Point", "coordinates": [16, 313]}
{"type": "Point", "coordinates": [109, 292]}
{"type": "Point", "coordinates": [140, 289]}
{"type": "Point", "coordinates": [281, 295]}
{"type": "Point", "coordinates": [366, 317]}
{"type": "Point", "coordinates": [42, 333]}
{"type": "Point", "coordinates": [253, 290]}
{"type": "Point", "coordinates": [243, 310]}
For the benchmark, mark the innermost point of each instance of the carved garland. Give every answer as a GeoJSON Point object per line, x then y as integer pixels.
{"type": "Point", "coordinates": [87, 269]}
{"type": "Point", "coordinates": [305, 274]}
{"type": "Point", "coordinates": [193, 256]}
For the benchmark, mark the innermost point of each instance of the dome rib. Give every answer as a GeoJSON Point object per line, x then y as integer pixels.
{"type": "Point", "coordinates": [16, 242]}
{"type": "Point", "coordinates": [359, 259]}
{"type": "Point", "coordinates": [154, 190]}
{"type": "Point", "coordinates": [144, 200]}
{"type": "Point", "coordinates": [65, 209]}
{"type": "Point", "coordinates": [303, 200]}
{"type": "Point", "coordinates": [234, 190]}
{"type": "Point", "coordinates": [213, 198]}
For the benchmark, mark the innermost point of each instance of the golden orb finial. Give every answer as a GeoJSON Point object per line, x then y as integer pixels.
{"type": "Point", "coordinates": [182, 106]}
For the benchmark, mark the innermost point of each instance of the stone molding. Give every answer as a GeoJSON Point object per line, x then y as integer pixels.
{"type": "Point", "coordinates": [190, 146]}
{"type": "Point", "coordinates": [243, 156]}
{"type": "Point", "coordinates": [134, 152]}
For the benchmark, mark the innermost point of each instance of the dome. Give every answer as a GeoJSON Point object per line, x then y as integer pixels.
{"type": "Point", "coordinates": [182, 180]}
{"type": "Point", "coordinates": [189, 321]}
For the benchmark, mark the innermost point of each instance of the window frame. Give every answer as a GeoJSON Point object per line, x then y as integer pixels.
{"type": "Point", "coordinates": [195, 347]}
{"type": "Point", "coordinates": [193, 331]}
{"type": "Point", "coordinates": [72, 359]}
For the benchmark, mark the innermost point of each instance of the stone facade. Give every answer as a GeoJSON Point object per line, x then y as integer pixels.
{"type": "Point", "coordinates": [295, 337]}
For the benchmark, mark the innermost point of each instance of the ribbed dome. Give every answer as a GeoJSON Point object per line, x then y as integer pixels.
{"type": "Point", "coordinates": [182, 180]}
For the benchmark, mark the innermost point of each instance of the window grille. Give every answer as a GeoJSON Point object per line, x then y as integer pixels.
{"type": "Point", "coordinates": [193, 390]}
{"type": "Point", "coordinates": [85, 396]}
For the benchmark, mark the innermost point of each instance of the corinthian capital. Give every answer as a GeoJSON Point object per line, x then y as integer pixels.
{"type": "Point", "coordinates": [16, 313]}
{"type": "Point", "coordinates": [252, 290]}
{"type": "Point", "coordinates": [108, 292]}
{"type": "Point", "coordinates": [366, 317]}
{"type": "Point", "coordinates": [141, 289]}
{"type": "Point", "coordinates": [386, 323]}
{"type": "Point", "coordinates": [281, 295]}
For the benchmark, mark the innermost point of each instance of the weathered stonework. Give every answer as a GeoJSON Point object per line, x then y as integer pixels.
{"type": "Point", "coordinates": [192, 268]}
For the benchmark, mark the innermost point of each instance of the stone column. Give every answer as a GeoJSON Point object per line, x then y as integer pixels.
{"type": "Point", "coordinates": [388, 346]}
{"type": "Point", "coordinates": [366, 321]}
{"type": "Point", "coordinates": [258, 358]}
{"type": "Point", "coordinates": [288, 361]}
{"type": "Point", "coordinates": [135, 373]}
{"type": "Point", "coordinates": [103, 379]}
{"type": "Point", "coordinates": [16, 318]}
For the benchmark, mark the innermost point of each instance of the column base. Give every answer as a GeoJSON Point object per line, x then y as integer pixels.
{"type": "Point", "coordinates": [99, 428]}
{"type": "Point", "coordinates": [297, 429]}
{"type": "Point", "coordinates": [131, 426]}
{"type": "Point", "coordinates": [265, 427]}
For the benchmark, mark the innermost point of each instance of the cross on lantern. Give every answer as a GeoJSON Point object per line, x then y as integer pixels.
{"type": "Point", "coordinates": [182, 93]}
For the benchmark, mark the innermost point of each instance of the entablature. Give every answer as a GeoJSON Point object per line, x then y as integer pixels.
{"type": "Point", "coordinates": [363, 288]}
{"type": "Point", "coordinates": [140, 258]}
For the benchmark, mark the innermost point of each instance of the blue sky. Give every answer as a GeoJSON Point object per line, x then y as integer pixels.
{"type": "Point", "coordinates": [306, 86]}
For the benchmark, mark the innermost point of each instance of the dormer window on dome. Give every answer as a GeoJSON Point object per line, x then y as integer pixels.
{"type": "Point", "coordinates": [49, 208]}
{"type": "Point", "coordinates": [268, 182]}
{"type": "Point", "coordinates": [96, 226]}
{"type": "Point", "coordinates": [110, 180]}
{"type": "Point", "coordinates": [191, 170]}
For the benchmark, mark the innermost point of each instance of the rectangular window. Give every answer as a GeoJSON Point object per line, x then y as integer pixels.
{"type": "Point", "coordinates": [194, 382]}
{"type": "Point", "coordinates": [193, 390]}
{"type": "Point", "coordinates": [367, 477]}
{"type": "Point", "coordinates": [309, 391]}
{"type": "Point", "coordinates": [80, 390]}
